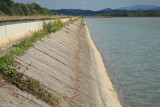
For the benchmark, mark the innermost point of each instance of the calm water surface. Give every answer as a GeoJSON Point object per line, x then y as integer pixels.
{"type": "Point", "coordinates": [131, 50]}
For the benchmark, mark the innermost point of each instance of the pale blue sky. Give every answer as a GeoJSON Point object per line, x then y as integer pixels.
{"type": "Point", "coordinates": [90, 4]}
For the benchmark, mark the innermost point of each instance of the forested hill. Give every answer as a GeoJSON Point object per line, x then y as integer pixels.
{"type": "Point", "coordinates": [10, 8]}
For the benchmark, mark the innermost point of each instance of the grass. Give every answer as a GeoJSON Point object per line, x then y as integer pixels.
{"type": "Point", "coordinates": [70, 21]}
{"type": "Point", "coordinates": [11, 75]}
{"type": "Point", "coordinates": [7, 18]}
{"type": "Point", "coordinates": [30, 85]}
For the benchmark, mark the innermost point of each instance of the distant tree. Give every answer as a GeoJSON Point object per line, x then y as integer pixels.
{"type": "Point", "coordinates": [6, 6]}
{"type": "Point", "coordinates": [2, 14]}
{"type": "Point", "coordinates": [55, 13]}
{"type": "Point", "coordinates": [45, 11]}
{"type": "Point", "coordinates": [10, 8]}
{"type": "Point", "coordinates": [133, 14]}
{"type": "Point", "coordinates": [25, 9]}
{"type": "Point", "coordinates": [125, 14]}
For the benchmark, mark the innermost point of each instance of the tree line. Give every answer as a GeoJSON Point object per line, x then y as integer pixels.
{"type": "Point", "coordinates": [132, 14]}
{"type": "Point", "coordinates": [10, 8]}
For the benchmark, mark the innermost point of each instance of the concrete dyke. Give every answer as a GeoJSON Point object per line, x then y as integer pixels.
{"type": "Point", "coordinates": [64, 63]}
{"type": "Point", "coordinates": [13, 31]}
{"type": "Point", "coordinates": [63, 75]}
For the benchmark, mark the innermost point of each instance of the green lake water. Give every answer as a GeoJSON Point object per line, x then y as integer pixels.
{"type": "Point", "coordinates": [131, 51]}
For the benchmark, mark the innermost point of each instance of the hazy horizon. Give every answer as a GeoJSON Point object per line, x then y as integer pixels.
{"type": "Point", "coordinates": [90, 4]}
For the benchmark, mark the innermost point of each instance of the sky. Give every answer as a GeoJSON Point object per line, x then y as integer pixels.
{"type": "Point", "coordinates": [90, 4]}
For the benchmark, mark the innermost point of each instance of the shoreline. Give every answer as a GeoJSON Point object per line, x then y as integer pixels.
{"type": "Point", "coordinates": [106, 90]}
{"type": "Point", "coordinates": [73, 71]}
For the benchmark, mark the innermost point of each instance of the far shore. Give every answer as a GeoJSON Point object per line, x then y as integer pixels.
{"type": "Point", "coordinates": [115, 17]}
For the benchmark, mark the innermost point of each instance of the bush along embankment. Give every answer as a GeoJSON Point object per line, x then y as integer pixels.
{"type": "Point", "coordinates": [9, 68]}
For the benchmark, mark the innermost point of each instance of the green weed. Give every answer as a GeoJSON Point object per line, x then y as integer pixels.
{"type": "Point", "coordinates": [18, 79]}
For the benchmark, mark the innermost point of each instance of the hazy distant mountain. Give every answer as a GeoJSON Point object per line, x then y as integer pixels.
{"type": "Point", "coordinates": [139, 7]}
{"type": "Point", "coordinates": [106, 9]}
{"type": "Point", "coordinates": [157, 9]}
{"type": "Point", "coordinates": [75, 12]}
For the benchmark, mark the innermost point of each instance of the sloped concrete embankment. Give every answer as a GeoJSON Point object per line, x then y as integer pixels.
{"type": "Point", "coordinates": [61, 62]}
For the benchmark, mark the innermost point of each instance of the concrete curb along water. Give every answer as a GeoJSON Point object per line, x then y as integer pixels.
{"type": "Point", "coordinates": [107, 92]}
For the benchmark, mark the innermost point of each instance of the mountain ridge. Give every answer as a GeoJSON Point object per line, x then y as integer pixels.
{"type": "Point", "coordinates": [137, 8]}
{"type": "Point", "coordinates": [142, 7]}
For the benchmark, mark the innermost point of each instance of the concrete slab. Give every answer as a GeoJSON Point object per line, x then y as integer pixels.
{"type": "Point", "coordinates": [61, 62]}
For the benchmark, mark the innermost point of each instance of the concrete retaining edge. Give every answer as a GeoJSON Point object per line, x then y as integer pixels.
{"type": "Point", "coordinates": [107, 92]}
{"type": "Point", "coordinates": [14, 31]}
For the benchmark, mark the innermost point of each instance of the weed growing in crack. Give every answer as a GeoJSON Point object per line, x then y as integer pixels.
{"type": "Point", "coordinates": [11, 75]}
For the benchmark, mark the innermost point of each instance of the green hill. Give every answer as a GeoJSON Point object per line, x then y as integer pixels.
{"type": "Point", "coordinates": [10, 8]}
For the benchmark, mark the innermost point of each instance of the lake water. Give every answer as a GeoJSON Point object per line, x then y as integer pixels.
{"type": "Point", "coordinates": [131, 50]}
